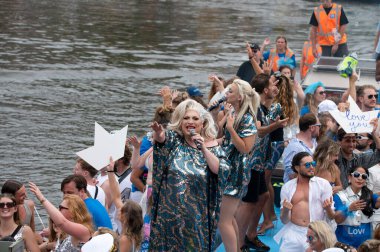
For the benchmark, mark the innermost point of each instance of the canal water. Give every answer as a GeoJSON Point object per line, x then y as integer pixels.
{"type": "Point", "coordinates": [66, 64]}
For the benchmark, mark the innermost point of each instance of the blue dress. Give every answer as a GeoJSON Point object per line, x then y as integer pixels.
{"type": "Point", "coordinates": [240, 175]}
{"type": "Point", "coordinates": [186, 196]}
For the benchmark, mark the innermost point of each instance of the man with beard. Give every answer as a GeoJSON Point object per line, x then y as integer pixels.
{"type": "Point", "coordinates": [364, 143]}
{"type": "Point", "coordinates": [303, 199]}
{"type": "Point", "coordinates": [348, 158]}
{"type": "Point", "coordinates": [304, 141]}
{"type": "Point", "coordinates": [366, 97]}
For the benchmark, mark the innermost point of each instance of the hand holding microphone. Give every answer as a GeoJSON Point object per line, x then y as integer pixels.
{"type": "Point", "coordinates": [216, 103]}
{"type": "Point", "coordinates": [196, 141]}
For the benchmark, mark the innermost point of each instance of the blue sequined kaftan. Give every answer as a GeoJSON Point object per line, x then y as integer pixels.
{"type": "Point", "coordinates": [186, 196]}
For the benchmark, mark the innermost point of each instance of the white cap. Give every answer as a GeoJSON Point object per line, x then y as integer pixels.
{"type": "Point", "coordinates": [333, 250]}
{"type": "Point", "coordinates": [99, 243]}
{"type": "Point", "coordinates": [326, 105]}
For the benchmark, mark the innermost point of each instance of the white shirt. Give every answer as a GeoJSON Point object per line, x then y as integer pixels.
{"type": "Point", "coordinates": [319, 190]}
{"type": "Point", "coordinates": [101, 197]}
{"type": "Point", "coordinates": [373, 184]}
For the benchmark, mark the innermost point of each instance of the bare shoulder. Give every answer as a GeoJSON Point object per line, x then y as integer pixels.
{"type": "Point", "coordinates": [26, 230]}
{"type": "Point", "coordinates": [30, 204]}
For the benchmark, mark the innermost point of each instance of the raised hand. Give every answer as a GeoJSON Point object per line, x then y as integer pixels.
{"type": "Point", "coordinates": [267, 67]}
{"type": "Point", "coordinates": [357, 205]}
{"type": "Point", "coordinates": [165, 91]}
{"type": "Point", "coordinates": [327, 203]}
{"type": "Point", "coordinates": [36, 191]}
{"type": "Point", "coordinates": [156, 127]}
{"type": "Point", "coordinates": [134, 142]}
{"type": "Point", "coordinates": [266, 42]}
{"type": "Point", "coordinates": [286, 204]}
{"type": "Point", "coordinates": [249, 50]}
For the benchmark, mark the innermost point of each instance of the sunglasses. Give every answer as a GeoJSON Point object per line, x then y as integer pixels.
{"type": "Point", "coordinates": [317, 124]}
{"type": "Point", "coordinates": [277, 74]}
{"type": "Point", "coordinates": [358, 174]}
{"type": "Point", "coordinates": [371, 96]}
{"type": "Point", "coordinates": [311, 238]}
{"type": "Point", "coordinates": [308, 165]}
{"type": "Point", "coordinates": [7, 204]}
{"type": "Point", "coordinates": [322, 92]}
{"type": "Point", "coordinates": [60, 207]}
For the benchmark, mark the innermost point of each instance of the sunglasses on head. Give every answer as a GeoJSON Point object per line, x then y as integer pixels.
{"type": "Point", "coordinates": [359, 137]}
{"type": "Point", "coordinates": [308, 165]}
{"type": "Point", "coordinates": [60, 207]}
{"type": "Point", "coordinates": [7, 204]}
{"type": "Point", "coordinates": [277, 74]}
{"type": "Point", "coordinates": [358, 174]}
{"type": "Point", "coordinates": [371, 96]}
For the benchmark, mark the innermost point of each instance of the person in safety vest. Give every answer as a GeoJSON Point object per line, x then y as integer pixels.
{"type": "Point", "coordinates": [279, 56]}
{"type": "Point", "coordinates": [308, 58]}
{"type": "Point", "coordinates": [328, 25]}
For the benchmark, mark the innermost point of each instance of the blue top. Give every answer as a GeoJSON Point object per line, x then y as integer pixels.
{"type": "Point", "coordinates": [353, 235]}
{"type": "Point", "coordinates": [99, 214]}
{"type": "Point", "coordinates": [291, 62]}
{"type": "Point", "coordinates": [145, 145]}
{"type": "Point", "coordinates": [186, 196]}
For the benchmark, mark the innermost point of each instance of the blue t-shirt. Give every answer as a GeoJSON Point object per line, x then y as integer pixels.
{"type": "Point", "coordinates": [291, 62]}
{"type": "Point", "coordinates": [99, 214]}
{"type": "Point", "coordinates": [145, 145]}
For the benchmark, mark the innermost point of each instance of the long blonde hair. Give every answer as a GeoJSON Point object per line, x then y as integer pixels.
{"type": "Point", "coordinates": [249, 103]}
{"type": "Point", "coordinates": [78, 211]}
{"type": "Point", "coordinates": [324, 233]}
{"type": "Point", "coordinates": [322, 155]}
{"type": "Point", "coordinates": [209, 128]}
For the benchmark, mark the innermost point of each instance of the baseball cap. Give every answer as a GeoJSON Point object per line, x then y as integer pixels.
{"type": "Point", "coordinates": [326, 105]}
{"type": "Point", "coordinates": [255, 46]}
{"type": "Point", "coordinates": [194, 91]}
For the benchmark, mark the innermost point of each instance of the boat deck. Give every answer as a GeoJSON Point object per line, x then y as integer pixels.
{"type": "Point", "coordinates": [268, 237]}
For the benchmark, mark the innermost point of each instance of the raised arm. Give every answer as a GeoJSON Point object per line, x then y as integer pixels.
{"type": "Point", "coordinates": [76, 230]}
{"type": "Point", "coordinates": [114, 186]}
{"type": "Point", "coordinates": [253, 61]}
{"type": "Point", "coordinates": [243, 145]}
{"type": "Point", "coordinates": [158, 132]}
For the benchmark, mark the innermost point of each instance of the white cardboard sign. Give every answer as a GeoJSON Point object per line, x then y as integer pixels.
{"type": "Point", "coordinates": [354, 120]}
{"type": "Point", "coordinates": [106, 145]}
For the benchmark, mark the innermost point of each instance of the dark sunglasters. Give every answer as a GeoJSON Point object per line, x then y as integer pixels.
{"type": "Point", "coordinates": [371, 96]}
{"type": "Point", "coordinates": [322, 92]}
{"type": "Point", "coordinates": [7, 204]}
{"type": "Point", "coordinates": [62, 207]}
{"type": "Point", "coordinates": [308, 165]}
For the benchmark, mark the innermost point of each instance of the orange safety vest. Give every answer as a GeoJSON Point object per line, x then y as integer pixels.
{"type": "Point", "coordinates": [273, 57]}
{"type": "Point", "coordinates": [326, 23]}
{"type": "Point", "coordinates": [308, 57]}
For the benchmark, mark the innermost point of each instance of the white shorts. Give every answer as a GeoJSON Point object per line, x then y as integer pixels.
{"type": "Point", "coordinates": [292, 238]}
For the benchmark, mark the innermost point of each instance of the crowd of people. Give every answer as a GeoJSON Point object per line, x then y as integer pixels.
{"type": "Point", "coordinates": [205, 167]}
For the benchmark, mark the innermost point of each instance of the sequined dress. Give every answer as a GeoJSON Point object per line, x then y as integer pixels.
{"type": "Point", "coordinates": [186, 196]}
{"type": "Point", "coordinates": [240, 173]}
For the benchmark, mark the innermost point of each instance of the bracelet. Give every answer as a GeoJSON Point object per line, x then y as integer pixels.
{"type": "Point", "coordinates": [110, 171]}
{"type": "Point", "coordinates": [42, 201]}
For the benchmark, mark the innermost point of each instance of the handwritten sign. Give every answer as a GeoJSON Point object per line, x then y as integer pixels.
{"type": "Point", "coordinates": [106, 145]}
{"type": "Point", "coordinates": [354, 120]}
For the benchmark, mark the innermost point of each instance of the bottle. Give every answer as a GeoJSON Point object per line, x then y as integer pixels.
{"type": "Point", "coordinates": [348, 65]}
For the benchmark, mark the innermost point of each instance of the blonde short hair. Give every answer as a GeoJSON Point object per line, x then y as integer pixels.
{"type": "Point", "coordinates": [209, 127]}
{"type": "Point", "coordinates": [324, 233]}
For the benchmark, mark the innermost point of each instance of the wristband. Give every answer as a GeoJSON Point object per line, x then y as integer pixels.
{"type": "Point", "coordinates": [42, 201]}
{"type": "Point", "coordinates": [110, 171]}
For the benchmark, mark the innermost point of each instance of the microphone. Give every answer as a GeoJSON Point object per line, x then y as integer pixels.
{"type": "Point", "coordinates": [198, 144]}
{"type": "Point", "coordinates": [217, 103]}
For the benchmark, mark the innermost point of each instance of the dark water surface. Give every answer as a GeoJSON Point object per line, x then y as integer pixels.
{"type": "Point", "coordinates": [66, 64]}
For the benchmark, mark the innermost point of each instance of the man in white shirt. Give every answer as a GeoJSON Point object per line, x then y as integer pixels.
{"type": "Point", "coordinates": [303, 199]}
{"type": "Point", "coordinates": [89, 173]}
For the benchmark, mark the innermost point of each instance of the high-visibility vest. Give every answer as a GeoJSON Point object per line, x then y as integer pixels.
{"type": "Point", "coordinates": [273, 57]}
{"type": "Point", "coordinates": [326, 24]}
{"type": "Point", "coordinates": [308, 57]}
